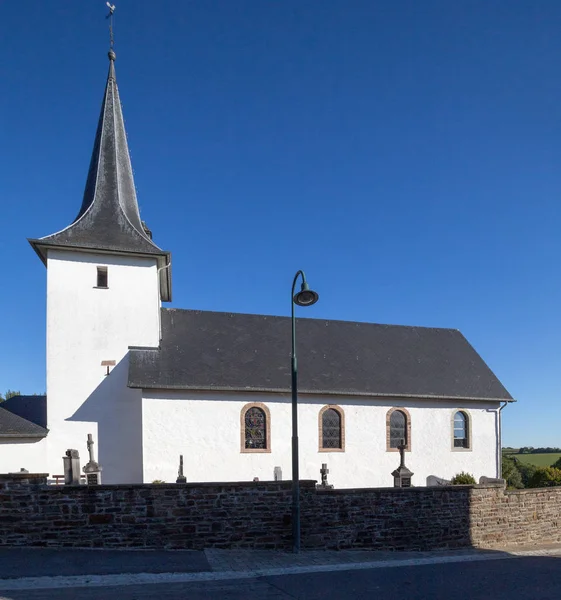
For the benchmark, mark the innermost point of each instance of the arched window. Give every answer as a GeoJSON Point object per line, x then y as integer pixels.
{"type": "Point", "coordinates": [255, 428]}
{"type": "Point", "coordinates": [461, 430]}
{"type": "Point", "coordinates": [331, 429]}
{"type": "Point", "coordinates": [398, 428]}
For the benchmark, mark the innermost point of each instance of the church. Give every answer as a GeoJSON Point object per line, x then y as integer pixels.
{"type": "Point", "coordinates": [152, 383]}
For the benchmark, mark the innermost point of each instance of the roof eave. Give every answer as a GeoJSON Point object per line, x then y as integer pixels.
{"type": "Point", "coordinates": [163, 259]}
{"type": "Point", "coordinates": [38, 436]}
{"type": "Point", "coordinates": [312, 392]}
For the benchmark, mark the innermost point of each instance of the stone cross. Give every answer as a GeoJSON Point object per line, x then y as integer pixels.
{"type": "Point", "coordinates": [180, 476]}
{"type": "Point", "coordinates": [402, 475]}
{"type": "Point", "coordinates": [324, 472]}
{"type": "Point", "coordinates": [92, 469]}
{"type": "Point", "coordinates": [90, 447]}
{"type": "Point", "coordinates": [402, 447]}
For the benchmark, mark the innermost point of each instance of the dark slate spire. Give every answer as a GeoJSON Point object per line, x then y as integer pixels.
{"type": "Point", "coordinates": [109, 219]}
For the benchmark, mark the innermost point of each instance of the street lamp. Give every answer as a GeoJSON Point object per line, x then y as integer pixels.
{"type": "Point", "coordinates": [305, 297]}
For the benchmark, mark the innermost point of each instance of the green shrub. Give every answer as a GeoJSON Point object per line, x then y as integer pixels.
{"type": "Point", "coordinates": [158, 481]}
{"type": "Point", "coordinates": [511, 473]}
{"type": "Point", "coordinates": [463, 479]}
{"type": "Point", "coordinates": [526, 472]}
{"type": "Point", "coordinates": [545, 477]}
{"type": "Point", "coordinates": [557, 464]}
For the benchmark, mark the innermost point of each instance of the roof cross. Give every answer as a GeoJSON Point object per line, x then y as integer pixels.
{"type": "Point", "coordinates": [111, 8]}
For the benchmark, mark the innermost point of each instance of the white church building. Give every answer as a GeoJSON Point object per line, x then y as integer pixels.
{"type": "Point", "coordinates": [152, 383]}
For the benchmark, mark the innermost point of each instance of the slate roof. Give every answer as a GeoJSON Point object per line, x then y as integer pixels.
{"type": "Point", "coordinates": [109, 218]}
{"type": "Point", "coordinates": [32, 408]}
{"type": "Point", "coordinates": [13, 426]}
{"type": "Point", "coordinates": [239, 352]}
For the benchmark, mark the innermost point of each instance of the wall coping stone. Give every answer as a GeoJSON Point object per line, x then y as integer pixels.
{"type": "Point", "coordinates": [413, 490]}
{"type": "Point", "coordinates": [21, 476]}
{"type": "Point", "coordinates": [553, 488]}
{"type": "Point", "coordinates": [304, 483]}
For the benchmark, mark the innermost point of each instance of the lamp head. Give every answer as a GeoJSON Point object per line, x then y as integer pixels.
{"type": "Point", "coordinates": [306, 296]}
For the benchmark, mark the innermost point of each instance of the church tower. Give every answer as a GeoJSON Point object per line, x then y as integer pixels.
{"type": "Point", "coordinates": [106, 280]}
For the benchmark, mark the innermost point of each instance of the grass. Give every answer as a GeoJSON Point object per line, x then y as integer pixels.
{"type": "Point", "coordinates": [540, 460]}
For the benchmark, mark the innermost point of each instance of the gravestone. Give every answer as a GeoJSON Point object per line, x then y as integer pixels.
{"type": "Point", "coordinates": [483, 480]}
{"type": "Point", "coordinates": [324, 471]}
{"type": "Point", "coordinates": [277, 474]}
{"type": "Point", "coordinates": [180, 476]}
{"type": "Point", "coordinates": [71, 467]}
{"type": "Point", "coordinates": [92, 469]}
{"type": "Point", "coordinates": [434, 481]}
{"type": "Point", "coordinates": [402, 475]}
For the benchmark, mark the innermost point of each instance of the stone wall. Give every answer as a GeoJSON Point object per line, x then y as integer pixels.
{"type": "Point", "coordinates": [387, 518]}
{"type": "Point", "coordinates": [517, 517]}
{"type": "Point", "coordinates": [258, 515]}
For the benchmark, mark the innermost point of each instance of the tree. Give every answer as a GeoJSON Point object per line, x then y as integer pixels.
{"type": "Point", "coordinates": [526, 472]}
{"type": "Point", "coordinates": [545, 477]}
{"type": "Point", "coordinates": [511, 473]}
{"type": "Point", "coordinates": [9, 394]}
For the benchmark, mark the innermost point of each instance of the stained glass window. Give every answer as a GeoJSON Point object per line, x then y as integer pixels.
{"type": "Point", "coordinates": [255, 429]}
{"type": "Point", "coordinates": [461, 439]}
{"type": "Point", "coordinates": [398, 428]}
{"type": "Point", "coordinates": [331, 429]}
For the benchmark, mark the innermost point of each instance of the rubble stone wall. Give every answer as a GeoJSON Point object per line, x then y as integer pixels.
{"type": "Point", "coordinates": [258, 515]}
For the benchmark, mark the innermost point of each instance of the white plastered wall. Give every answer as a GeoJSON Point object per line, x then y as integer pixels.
{"type": "Point", "coordinates": [85, 326]}
{"type": "Point", "coordinates": [205, 428]}
{"type": "Point", "coordinates": [22, 453]}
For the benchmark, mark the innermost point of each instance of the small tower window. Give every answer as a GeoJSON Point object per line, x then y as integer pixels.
{"type": "Point", "coordinates": [102, 277]}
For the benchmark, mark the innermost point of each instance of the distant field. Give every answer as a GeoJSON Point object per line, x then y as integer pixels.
{"type": "Point", "coordinates": [540, 460]}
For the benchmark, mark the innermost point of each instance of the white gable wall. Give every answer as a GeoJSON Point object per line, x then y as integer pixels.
{"type": "Point", "coordinates": [205, 428]}
{"type": "Point", "coordinates": [85, 326]}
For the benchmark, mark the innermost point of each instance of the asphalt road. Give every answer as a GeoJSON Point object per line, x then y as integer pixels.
{"type": "Point", "coordinates": [533, 578]}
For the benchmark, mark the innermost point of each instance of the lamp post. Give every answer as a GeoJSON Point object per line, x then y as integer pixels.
{"type": "Point", "coordinates": [305, 297]}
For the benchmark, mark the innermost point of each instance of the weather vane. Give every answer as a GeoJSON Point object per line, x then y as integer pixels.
{"type": "Point", "coordinates": [110, 17]}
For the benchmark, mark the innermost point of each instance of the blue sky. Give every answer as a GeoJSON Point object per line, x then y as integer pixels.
{"type": "Point", "coordinates": [405, 154]}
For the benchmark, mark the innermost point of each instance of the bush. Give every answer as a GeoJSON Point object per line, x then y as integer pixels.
{"type": "Point", "coordinates": [545, 477]}
{"type": "Point", "coordinates": [158, 481]}
{"type": "Point", "coordinates": [463, 479]}
{"type": "Point", "coordinates": [557, 464]}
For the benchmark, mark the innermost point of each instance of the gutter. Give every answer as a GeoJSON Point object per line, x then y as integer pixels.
{"type": "Point", "coordinates": [500, 442]}
{"type": "Point", "coordinates": [224, 388]}
{"type": "Point", "coordinates": [27, 436]}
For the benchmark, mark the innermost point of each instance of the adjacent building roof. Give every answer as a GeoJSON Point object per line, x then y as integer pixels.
{"type": "Point", "coordinates": [109, 219]}
{"type": "Point", "coordinates": [32, 408]}
{"type": "Point", "coordinates": [13, 426]}
{"type": "Point", "coordinates": [223, 351]}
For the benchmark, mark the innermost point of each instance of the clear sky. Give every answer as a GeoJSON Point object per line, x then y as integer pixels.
{"type": "Point", "coordinates": [405, 154]}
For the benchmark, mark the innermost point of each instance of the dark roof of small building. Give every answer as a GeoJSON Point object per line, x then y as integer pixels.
{"type": "Point", "coordinates": [13, 426]}
{"type": "Point", "coordinates": [32, 408]}
{"type": "Point", "coordinates": [109, 218]}
{"type": "Point", "coordinates": [223, 351]}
